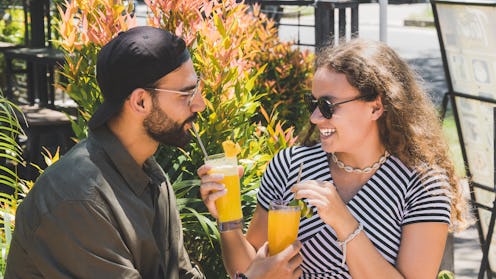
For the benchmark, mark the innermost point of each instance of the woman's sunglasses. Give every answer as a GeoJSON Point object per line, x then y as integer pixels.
{"type": "Point", "coordinates": [325, 106]}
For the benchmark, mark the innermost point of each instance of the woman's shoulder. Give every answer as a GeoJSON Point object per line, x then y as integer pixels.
{"type": "Point", "coordinates": [414, 177]}
{"type": "Point", "coordinates": [395, 165]}
{"type": "Point", "coordinates": [302, 150]}
{"type": "Point", "coordinates": [298, 153]}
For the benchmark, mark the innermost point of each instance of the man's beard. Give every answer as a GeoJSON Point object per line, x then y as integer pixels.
{"type": "Point", "coordinates": [162, 129]}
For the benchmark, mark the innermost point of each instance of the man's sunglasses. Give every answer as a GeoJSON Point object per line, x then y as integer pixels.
{"type": "Point", "coordinates": [325, 106]}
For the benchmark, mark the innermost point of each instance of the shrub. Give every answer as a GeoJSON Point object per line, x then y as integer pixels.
{"type": "Point", "coordinates": [10, 156]}
{"type": "Point", "coordinates": [286, 79]}
{"type": "Point", "coordinates": [84, 27]}
{"type": "Point", "coordinates": [11, 30]}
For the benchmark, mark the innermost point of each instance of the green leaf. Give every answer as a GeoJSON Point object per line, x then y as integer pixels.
{"type": "Point", "coordinates": [445, 274]}
{"type": "Point", "coordinates": [219, 25]}
{"type": "Point", "coordinates": [305, 211]}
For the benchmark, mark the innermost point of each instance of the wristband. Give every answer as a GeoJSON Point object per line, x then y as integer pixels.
{"type": "Point", "coordinates": [229, 226]}
{"type": "Point", "coordinates": [239, 275]}
{"type": "Point", "coordinates": [350, 237]}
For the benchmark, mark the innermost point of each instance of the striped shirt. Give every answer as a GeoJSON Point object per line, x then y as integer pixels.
{"type": "Point", "coordinates": [394, 196]}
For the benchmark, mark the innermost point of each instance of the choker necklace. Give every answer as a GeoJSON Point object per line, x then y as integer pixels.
{"type": "Point", "coordinates": [350, 169]}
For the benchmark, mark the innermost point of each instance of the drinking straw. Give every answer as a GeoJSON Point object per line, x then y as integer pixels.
{"type": "Point", "coordinates": [305, 210]}
{"type": "Point", "coordinates": [200, 141]}
{"type": "Point", "coordinates": [299, 173]}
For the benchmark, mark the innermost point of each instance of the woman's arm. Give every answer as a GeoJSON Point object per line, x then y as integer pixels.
{"type": "Point", "coordinates": [257, 232]}
{"type": "Point", "coordinates": [421, 249]}
{"type": "Point", "coordinates": [420, 254]}
{"type": "Point", "coordinates": [239, 251]}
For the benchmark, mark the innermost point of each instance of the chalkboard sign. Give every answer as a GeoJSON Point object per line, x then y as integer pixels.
{"type": "Point", "coordinates": [467, 36]}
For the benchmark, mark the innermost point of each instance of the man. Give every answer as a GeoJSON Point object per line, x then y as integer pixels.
{"type": "Point", "coordinates": [105, 209]}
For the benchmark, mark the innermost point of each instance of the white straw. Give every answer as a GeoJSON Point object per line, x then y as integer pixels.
{"type": "Point", "coordinates": [200, 141]}
{"type": "Point", "coordinates": [299, 173]}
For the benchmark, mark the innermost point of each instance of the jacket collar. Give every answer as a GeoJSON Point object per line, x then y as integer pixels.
{"type": "Point", "coordinates": [136, 177]}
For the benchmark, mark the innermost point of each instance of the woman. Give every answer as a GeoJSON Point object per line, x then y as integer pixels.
{"type": "Point", "coordinates": [380, 181]}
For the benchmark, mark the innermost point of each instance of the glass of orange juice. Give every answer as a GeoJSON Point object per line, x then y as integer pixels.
{"type": "Point", "coordinates": [228, 206]}
{"type": "Point", "coordinates": [284, 220]}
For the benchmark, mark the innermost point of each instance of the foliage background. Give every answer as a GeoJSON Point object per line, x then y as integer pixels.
{"type": "Point", "coordinates": [10, 156]}
{"type": "Point", "coordinates": [11, 29]}
{"type": "Point", "coordinates": [242, 63]}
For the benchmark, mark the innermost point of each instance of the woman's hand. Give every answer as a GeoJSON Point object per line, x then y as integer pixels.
{"type": "Point", "coordinates": [211, 187]}
{"type": "Point", "coordinates": [286, 264]}
{"type": "Point", "coordinates": [324, 196]}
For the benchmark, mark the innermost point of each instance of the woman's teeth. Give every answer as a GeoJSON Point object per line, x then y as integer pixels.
{"type": "Point", "coordinates": [327, 132]}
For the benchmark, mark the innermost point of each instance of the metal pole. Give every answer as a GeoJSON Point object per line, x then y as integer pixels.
{"type": "Point", "coordinates": [383, 20]}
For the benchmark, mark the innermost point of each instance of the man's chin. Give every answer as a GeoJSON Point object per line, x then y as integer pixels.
{"type": "Point", "coordinates": [185, 140]}
{"type": "Point", "coordinates": [178, 141]}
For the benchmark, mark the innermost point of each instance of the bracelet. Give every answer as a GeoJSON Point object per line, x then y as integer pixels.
{"type": "Point", "coordinates": [350, 237]}
{"type": "Point", "coordinates": [229, 226]}
{"type": "Point", "coordinates": [239, 275]}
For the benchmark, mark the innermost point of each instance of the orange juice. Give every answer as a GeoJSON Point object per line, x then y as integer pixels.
{"type": "Point", "coordinates": [283, 224]}
{"type": "Point", "coordinates": [229, 205]}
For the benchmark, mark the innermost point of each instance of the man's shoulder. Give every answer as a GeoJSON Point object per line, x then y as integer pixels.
{"type": "Point", "coordinates": [74, 177]}
{"type": "Point", "coordinates": [77, 166]}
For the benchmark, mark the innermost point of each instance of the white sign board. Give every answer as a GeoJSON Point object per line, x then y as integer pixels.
{"type": "Point", "coordinates": [468, 32]}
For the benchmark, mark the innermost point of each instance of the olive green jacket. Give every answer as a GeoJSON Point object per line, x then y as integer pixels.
{"type": "Point", "coordinates": [96, 214]}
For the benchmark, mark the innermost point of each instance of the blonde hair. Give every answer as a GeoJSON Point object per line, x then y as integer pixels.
{"type": "Point", "coordinates": [410, 128]}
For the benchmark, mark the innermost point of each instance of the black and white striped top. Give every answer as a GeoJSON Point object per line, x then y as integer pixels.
{"type": "Point", "coordinates": [393, 197]}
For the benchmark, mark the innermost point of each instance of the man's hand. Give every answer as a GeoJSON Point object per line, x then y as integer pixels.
{"type": "Point", "coordinates": [211, 188]}
{"type": "Point", "coordinates": [285, 265]}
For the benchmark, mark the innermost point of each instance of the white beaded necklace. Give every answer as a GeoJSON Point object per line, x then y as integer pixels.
{"type": "Point", "coordinates": [350, 169]}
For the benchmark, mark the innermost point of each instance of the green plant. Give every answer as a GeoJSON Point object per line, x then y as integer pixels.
{"type": "Point", "coordinates": [11, 30]}
{"type": "Point", "coordinates": [450, 132]}
{"type": "Point", "coordinates": [286, 78]}
{"type": "Point", "coordinates": [12, 23]}
{"type": "Point", "coordinates": [10, 157]}
{"type": "Point", "coordinates": [84, 27]}
{"type": "Point", "coordinates": [445, 274]}
{"type": "Point", "coordinates": [14, 188]}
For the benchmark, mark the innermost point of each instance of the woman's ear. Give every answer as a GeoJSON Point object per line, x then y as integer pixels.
{"type": "Point", "coordinates": [377, 108]}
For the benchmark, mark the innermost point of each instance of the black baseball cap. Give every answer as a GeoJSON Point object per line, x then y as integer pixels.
{"type": "Point", "coordinates": [135, 58]}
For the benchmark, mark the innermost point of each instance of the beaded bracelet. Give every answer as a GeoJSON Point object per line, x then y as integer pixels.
{"type": "Point", "coordinates": [350, 237]}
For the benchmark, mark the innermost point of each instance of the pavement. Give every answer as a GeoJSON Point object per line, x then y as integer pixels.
{"type": "Point", "coordinates": [467, 250]}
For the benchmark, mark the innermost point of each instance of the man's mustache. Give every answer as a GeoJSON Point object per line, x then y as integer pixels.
{"type": "Point", "coordinates": [192, 118]}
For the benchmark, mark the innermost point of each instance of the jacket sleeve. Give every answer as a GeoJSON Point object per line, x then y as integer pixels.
{"type": "Point", "coordinates": [98, 245]}
{"type": "Point", "coordinates": [187, 270]}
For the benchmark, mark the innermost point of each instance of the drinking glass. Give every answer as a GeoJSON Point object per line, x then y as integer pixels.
{"type": "Point", "coordinates": [284, 220]}
{"type": "Point", "coordinates": [228, 206]}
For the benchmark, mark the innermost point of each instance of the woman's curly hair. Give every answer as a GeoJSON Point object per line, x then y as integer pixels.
{"type": "Point", "coordinates": [410, 127]}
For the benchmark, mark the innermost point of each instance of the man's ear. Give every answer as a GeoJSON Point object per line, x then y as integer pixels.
{"type": "Point", "coordinates": [138, 101]}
